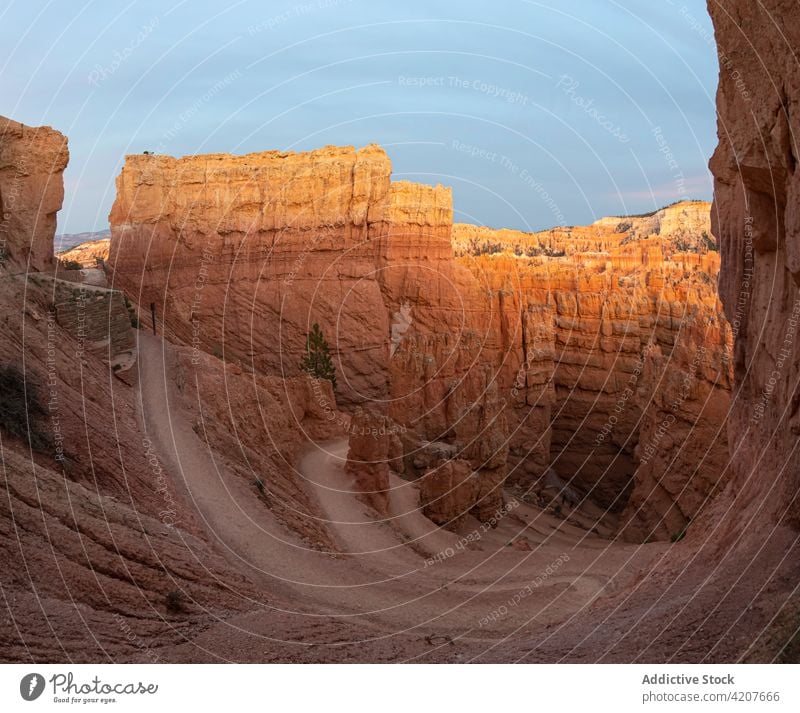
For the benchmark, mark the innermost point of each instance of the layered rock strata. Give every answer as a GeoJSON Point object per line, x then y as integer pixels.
{"type": "Point", "coordinates": [240, 255]}
{"type": "Point", "coordinates": [621, 359]}
{"type": "Point", "coordinates": [598, 351]}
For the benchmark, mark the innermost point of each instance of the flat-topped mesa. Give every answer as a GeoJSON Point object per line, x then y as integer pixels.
{"type": "Point", "coordinates": [32, 163]}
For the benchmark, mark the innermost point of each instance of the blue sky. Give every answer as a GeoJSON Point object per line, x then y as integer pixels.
{"type": "Point", "coordinates": [536, 113]}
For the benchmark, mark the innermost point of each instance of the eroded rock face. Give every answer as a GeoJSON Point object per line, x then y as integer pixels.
{"type": "Point", "coordinates": [448, 492]}
{"type": "Point", "coordinates": [617, 359]}
{"type": "Point", "coordinates": [241, 255]}
{"type": "Point", "coordinates": [569, 349]}
{"type": "Point", "coordinates": [88, 254]}
{"type": "Point", "coordinates": [757, 219]}
{"type": "Point", "coordinates": [368, 457]}
{"type": "Point", "coordinates": [32, 161]}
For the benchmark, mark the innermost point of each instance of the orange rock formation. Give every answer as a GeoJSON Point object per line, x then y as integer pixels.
{"type": "Point", "coordinates": [598, 351]}
{"type": "Point", "coordinates": [32, 161]}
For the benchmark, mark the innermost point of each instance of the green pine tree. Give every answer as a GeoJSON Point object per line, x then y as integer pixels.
{"type": "Point", "coordinates": [317, 360]}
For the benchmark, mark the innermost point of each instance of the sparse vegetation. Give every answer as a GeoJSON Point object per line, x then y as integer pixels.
{"type": "Point", "coordinates": [131, 313]}
{"type": "Point", "coordinates": [71, 265]}
{"type": "Point", "coordinates": [709, 242]}
{"type": "Point", "coordinates": [21, 411]}
{"type": "Point", "coordinates": [317, 360]}
{"type": "Point", "coordinates": [260, 486]}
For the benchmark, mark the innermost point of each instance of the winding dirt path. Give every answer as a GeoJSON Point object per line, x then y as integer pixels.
{"type": "Point", "coordinates": [397, 574]}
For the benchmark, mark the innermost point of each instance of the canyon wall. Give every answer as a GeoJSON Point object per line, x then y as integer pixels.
{"type": "Point", "coordinates": [756, 216]}
{"type": "Point", "coordinates": [241, 255]}
{"type": "Point", "coordinates": [619, 359]}
{"type": "Point", "coordinates": [596, 352]}
{"type": "Point", "coordinates": [32, 161]}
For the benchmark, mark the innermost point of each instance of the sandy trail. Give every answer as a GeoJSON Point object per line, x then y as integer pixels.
{"type": "Point", "coordinates": [394, 574]}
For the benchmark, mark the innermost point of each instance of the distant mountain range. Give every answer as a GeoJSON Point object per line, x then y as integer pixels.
{"type": "Point", "coordinates": [67, 241]}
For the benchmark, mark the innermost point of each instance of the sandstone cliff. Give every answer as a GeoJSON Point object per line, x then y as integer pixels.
{"type": "Point", "coordinates": [586, 338]}
{"type": "Point", "coordinates": [617, 359]}
{"type": "Point", "coordinates": [756, 218]}
{"type": "Point", "coordinates": [32, 161]}
{"type": "Point", "coordinates": [240, 255]}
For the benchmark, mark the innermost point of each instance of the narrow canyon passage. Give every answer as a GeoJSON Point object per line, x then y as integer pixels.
{"type": "Point", "coordinates": [388, 575]}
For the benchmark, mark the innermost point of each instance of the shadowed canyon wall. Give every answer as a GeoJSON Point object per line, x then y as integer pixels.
{"type": "Point", "coordinates": [756, 215]}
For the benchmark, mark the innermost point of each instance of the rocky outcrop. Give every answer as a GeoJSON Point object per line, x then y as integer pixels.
{"type": "Point", "coordinates": [617, 360]}
{"type": "Point", "coordinates": [756, 218]}
{"type": "Point", "coordinates": [241, 254]}
{"type": "Point", "coordinates": [448, 492]}
{"type": "Point", "coordinates": [566, 349]}
{"type": "Point", "coordinates": [32, 161]}
{"type": "Point", "coordinates": [368, 458]}
{"type": "Point", "coordinates": [95, 538]}
{"type": "Point", "coordinates": [99, 320]}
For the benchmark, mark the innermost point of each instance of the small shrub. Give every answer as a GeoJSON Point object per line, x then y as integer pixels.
{"type": "Point", "coordinates": [317, 360]}
{"type": "Point", "coordinates": [71, 265]}
{"type": "Point", "coordinates": [678, 536]}
{"type": "Point", "coordinates": [131, 312]}
{"type": "Point", "coordinates": [174, 601]}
